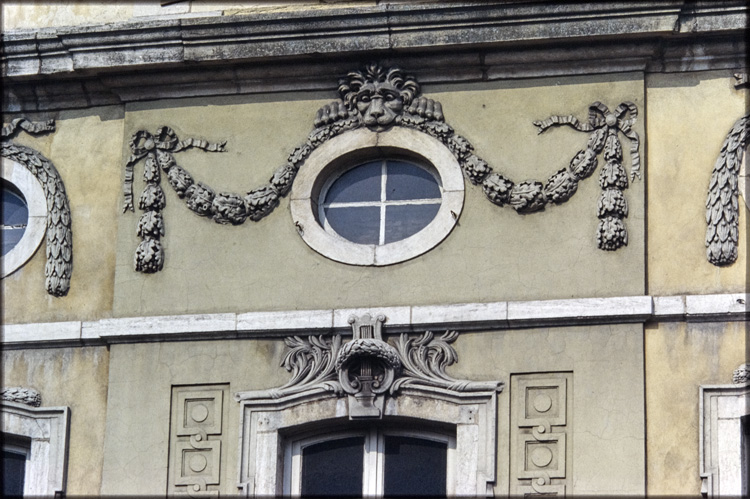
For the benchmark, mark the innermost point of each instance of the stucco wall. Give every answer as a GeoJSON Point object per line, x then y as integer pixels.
{"type": "Point", "coordinates": [77, 378]}
{"type": "Point", "coordinates": [493, 253]}
{"type": "Point", "coordinates": [85, 149]}
{"type": "Point", "coordinates": [689, 116]}
{"type": "Point", "coordinates": [606, 425]}
{"type": "Point", "coordinates": [679, 358]}
{"type": "Point", "coordinates": [41, 14]}
{"type": "Point", "coordinates": [138, 415]}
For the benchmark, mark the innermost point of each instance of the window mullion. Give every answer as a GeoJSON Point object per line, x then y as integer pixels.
{"type": "Point", "coordinates": [372, 483]}
{"type": "Point", "coordinates": [383, 183]}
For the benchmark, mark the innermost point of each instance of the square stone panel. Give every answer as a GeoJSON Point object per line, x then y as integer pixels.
{"type": "Point", "coordinates": [542, 456]}
{"type": "Point", "coordinates": [544, 401]}
{"type": "Point", "coordinates": [203, 463]}
{"type": "Point", "coordinates": [199, 410]}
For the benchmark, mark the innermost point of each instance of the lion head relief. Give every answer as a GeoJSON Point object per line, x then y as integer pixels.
{"type": "Point", "coordinates": [379, 95]}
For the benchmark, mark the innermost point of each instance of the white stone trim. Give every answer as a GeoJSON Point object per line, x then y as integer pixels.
{"type": "Point", "coordinates": [461, 316]}
{"type": "Point", "coordinates": [47, 332]}
{"type": "Point", "coordinates": [581, 310]}
{"type": "Point", "coordinates": [18, 175]}
{"type": "Point", "coordinates": [265, 423]}
{"type": "Point", "coordinates": [47, 428]}
{"type": "Point", "coordinates": [720, 448]}
{"type": "Point", "coordinates": [354, 147]}
{"type": "Point", "coordinates": [711, 307]}
{"type": "Point", "coordinates": [160, 325]}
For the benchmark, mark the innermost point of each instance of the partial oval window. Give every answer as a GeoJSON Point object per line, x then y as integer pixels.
{"type": "Point", "coordinates": [15, 216]}
{"type": "Point", "coordinates": [24, 215]}
{"type": "Point", "coordinates": [380, 202]}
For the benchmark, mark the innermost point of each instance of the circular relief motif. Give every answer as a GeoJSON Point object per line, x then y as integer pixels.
{"type": "Point", "coordinates": [541, 456]}
{"type": "Point", "coordinates": [199, 413]}
{"type": "Point", "coordinates": [542, 402]}
{"type": "Point", "coordinates": [377, 198]}
{"type": "Point", "coordinates": [198, 463]}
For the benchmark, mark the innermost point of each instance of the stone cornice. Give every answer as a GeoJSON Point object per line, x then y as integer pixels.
{"type": "Point", "coordinates": [150, 59]}
{"type": "Point", "coordinates": [461, 317]}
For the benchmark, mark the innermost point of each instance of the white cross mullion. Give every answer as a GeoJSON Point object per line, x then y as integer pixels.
{"type": "Point", "coordinates": [396, 202]}
{"type": "Point", "coordinates": [383, 182]}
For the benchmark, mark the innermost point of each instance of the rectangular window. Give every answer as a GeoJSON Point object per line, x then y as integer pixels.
{"type": "Point", "coordinates": [745, 420]}
{"type": "Point", "coordinates": [15, 455]}
{"type": "Point", "coordinates": [375, 462]}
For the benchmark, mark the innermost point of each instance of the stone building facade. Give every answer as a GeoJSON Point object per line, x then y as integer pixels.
{"type": "Point", "coordinates": [270, 247]}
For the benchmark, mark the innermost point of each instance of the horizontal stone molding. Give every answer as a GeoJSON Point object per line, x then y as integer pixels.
{"type": "Point", "coordinates": [156, 58]}
{"type": "Point", "coordinates": [460, 316]}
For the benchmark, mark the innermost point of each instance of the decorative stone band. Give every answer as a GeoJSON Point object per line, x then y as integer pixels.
{"type": "Point", "coordinates": [108, 60]}
{"type": "Point", "coordinates": [460, 317]}
{"type": "Point", "coordinates": [59, 233]}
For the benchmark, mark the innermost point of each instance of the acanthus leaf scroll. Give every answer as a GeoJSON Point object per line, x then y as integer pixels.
{"type": "Point", "coordinates": [368, 368]}
{"type": "Point", "coordinates": [378, 98]}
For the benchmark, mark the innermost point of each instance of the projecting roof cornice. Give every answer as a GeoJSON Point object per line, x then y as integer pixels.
{"type": "Point", "coordinates": [307, 49]}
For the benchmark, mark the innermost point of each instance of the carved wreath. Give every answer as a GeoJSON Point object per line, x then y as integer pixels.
{"type": "Point", "coordinates": [59, 234]}
{"type": "Point", "coordinates": [379, 98]}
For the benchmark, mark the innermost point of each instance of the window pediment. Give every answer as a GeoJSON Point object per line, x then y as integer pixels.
{"type": "Point", "coordinates": [367, 379]}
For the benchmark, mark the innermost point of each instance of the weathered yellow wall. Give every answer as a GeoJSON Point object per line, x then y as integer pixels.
{"type": "Point", "coordinates": [141, 378]}
{"type": "Point", "coordinates": [606, 436]}
{"type": "Point", "coordinates": [77, 378]}
{"type": "Point", "coordinates": [689, 116]}
{"type": "Point", "coordinates": [493, 253]}
{"type": "Point", "coordinates": [85, 148]}
{"type": "Point", "coordinates": [679, 358]}
{"type": "Point", "coordinates": [35, 14]}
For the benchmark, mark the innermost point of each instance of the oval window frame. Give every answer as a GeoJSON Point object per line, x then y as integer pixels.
{"type": "Point", "coordinates": [355, 147]}
{"type": "Point", "coordinates": [36, 201]}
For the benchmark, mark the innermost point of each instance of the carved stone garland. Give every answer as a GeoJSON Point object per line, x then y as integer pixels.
{"type": "Point", "coordinates": [379, 98]}
{"type": "Point", "coordinates": [722, 202]}
{"type": "Point", "coordinates": [368, 368]}
{"type": "Point", "coordinates": [59, 234]}
{"type": "Point", "coordinates": [22, 395]}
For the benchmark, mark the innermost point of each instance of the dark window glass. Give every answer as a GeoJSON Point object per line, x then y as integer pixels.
{"type": "Point", "coordinates": [381, 202]}
{"type": "Point", "coordinates": [359, 224]}
{"type": "Point", "coordinates": [15, 217]}
{"type": "Point", "coordinates": [402, 221]}
{"type": "Point", "coordinates": [745, 420]}
{"type": "Point", "coordinates": [333, 468]}
{"type": "Point", "coordinates": [14, 470]}
{"type": "Point", "coordinates": [358, 184]}
{"type": "Point", "coordinates": [414, 467]}
{"type": "Point", "coordinates": [407, 181]}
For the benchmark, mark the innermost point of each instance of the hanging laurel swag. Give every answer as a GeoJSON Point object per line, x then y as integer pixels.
{"type": "Point", "coordinates": [722, 203]}
{"type": "Point", "coordinates": [379, 98]}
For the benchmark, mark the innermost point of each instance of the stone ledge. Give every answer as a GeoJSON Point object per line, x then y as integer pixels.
{"type": "Point", "coordinates": [307, 50]}
{"type": "Point", "coordinates": [461, 316]}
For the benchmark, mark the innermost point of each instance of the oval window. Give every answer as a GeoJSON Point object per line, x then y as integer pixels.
{"type": "Point", "coordinates": [365, 198]}
{"type": "Point", "coordinates": [380, 202]}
